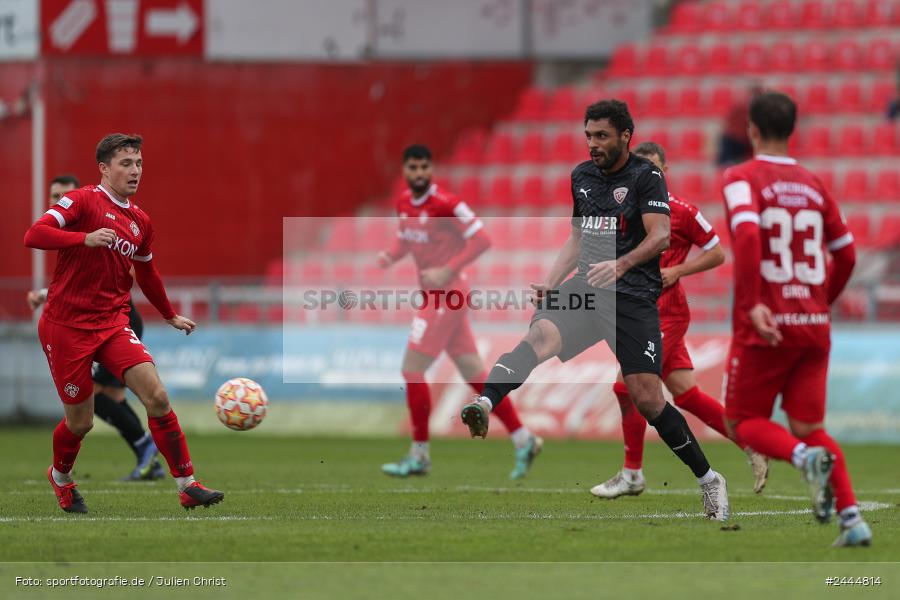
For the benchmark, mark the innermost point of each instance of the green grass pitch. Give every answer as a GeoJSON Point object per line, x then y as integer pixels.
{"type": "Point", "coordinates": [324, 500]}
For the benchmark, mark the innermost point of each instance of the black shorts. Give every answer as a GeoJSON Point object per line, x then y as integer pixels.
{"type": "Point", "coordinates": [586, 315]}
{"type": "Point", "coordinates": [101, 375]}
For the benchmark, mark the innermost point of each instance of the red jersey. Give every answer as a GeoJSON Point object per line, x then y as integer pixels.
{"type": "Point", "coordinates": [688, 229]}
{"type": "Point", "coordinates": [798, 221]}
{"type": "Point", "coordinates": [91, 286]}
{"type": "Point", "coordinates": [434, 229]}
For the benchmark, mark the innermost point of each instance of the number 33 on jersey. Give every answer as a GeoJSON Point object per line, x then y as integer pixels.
{"type": "Point", "coordinates": [798, 221]}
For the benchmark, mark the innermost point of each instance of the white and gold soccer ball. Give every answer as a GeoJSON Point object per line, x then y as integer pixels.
{"type": "Point", "coordinates": [241, 404]}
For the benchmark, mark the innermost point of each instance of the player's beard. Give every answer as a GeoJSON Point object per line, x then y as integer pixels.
{"type": "Point", "coordinates": [419, 190]}
{"type": "Point", "coordinates": [612, 158]}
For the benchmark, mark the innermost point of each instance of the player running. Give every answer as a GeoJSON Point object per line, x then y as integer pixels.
{"type": "Point", "coordinates": [620, 225]}
{"type": "Point", "coordinates": [688, 228]}
{"type": "Point", "coordinates": [101, 234]}
{"type": "Point", "coordinates": [110, 403]}
{"type": "Point", "coordinates": [783, 221]}
{"type": "Point", "coordinates": [443, 235]}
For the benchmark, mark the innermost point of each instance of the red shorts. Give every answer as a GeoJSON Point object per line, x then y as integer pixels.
{"type": "Point", "coordinates": [755, 375]}
{"type": "Point", "coordinates": [436, 330]}
{"type": "Point", "coordinates": [675, 355]}
{"type": "Point", "coordinates": [71, 352]}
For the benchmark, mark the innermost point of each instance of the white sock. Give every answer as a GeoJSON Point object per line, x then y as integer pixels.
{"type": "Point", "coordinates": [61, 478]}
{"type": "Point", "coordinates": [183, 482]}
{"type": "Point", "coordinates": [798, 456]}
{"type": "Point", "coordinates": [520, 437]}
{"type": "Point", "coordinates": [489, 403]}
{"type": "Point", "coordinates": [633, 475]}
{"type": "Point", "coordinates": [710, 475]}
{"type": "Point", "coordinates": [850, 516]}
{"type": "Point", "coordinates": [419, 450]}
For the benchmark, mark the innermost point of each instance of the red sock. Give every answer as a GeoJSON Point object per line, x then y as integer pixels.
{"type": "Point", "coordinates": [418, 399]}
{"type": "Point", "coordinates": [169, 438]}
{"type": "Point", "coordinates": [840, 477]}
{"type": "Point", "coordinates": [505, 411]}
{"type": "Point", "coordinates": [705, 407]}
{"type": "Point", "coordinates": [634, 425]}
{"type": "Point", "coordinates": [766, 437]}
{"type": "Point", "coordinates": [65, 447]}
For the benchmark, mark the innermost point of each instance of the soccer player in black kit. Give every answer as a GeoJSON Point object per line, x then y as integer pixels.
{"type": "Point", "coordinates": [620, 225]}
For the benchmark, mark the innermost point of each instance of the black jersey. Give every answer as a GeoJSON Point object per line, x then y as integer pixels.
{"type": "Point", "coordinates": [608, 210]}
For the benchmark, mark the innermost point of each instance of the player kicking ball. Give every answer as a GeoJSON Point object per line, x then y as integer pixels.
{"type": "Point", "coordinates": [620, 225]}
{"type": "Point", "coordinates": [443, 235]}
{"type": "Point", "coordinates": [688, 228]}
{"type": "Point", "coordinates": [101, 234]}
{"type": "Point", "coordinates": [783, 221]}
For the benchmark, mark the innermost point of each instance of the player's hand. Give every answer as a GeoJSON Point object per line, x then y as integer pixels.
{"type": "Point", "coordinates": [182, 323]}
{"type": "Point", "coordinates": [436, 277]}
{"type": "Point", "coordinates": [764, 321]}
{"type": "Point", "coordinates": [539, 291]}
{"type": "Point", "coordinates": [604, 274]}
{"type": "Point", "coordinates": [670, 276]}
{"type": "Point", "coordinates": [101, 237]}
{"type": "Point", "coordinates": [35, 299]}
{"type": "Point", "coordinates": [383, 260]}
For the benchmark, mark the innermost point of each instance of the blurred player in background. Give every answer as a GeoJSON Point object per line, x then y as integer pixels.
{"type": "Point", "coordinates": [110, 403]}
{"type": "Point", "coordinates": [620, 225]}
{"type": "Point", "coordinates": [443, 235]}
{"type": "Point", "coordinates": [783, 221]}
{"type": "Point", "coordinates": [101, 235]}
{"type": "Point", "coordinates": [688, 229]}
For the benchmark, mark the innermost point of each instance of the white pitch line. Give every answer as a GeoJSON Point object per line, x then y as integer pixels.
{"type": "Point", "coordinates": [864, 506]}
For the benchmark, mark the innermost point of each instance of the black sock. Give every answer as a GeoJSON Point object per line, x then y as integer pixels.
{"type": "Point", "coordinates": [120, 416]}
{"type": "Point", "coordinates": [510, 372]}
{"type": "Point", "coordinates": [674, 431]}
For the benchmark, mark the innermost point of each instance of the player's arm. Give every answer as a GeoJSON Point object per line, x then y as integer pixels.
{"type": "Point", "coordinates": [471, 229]}
{"type": "Point", "coordinates": [50, 233]}
{"type": "Point", "coordinates": [839, 242]}
{"type": "Point", "coordinates": [712, 254]}
{"type": "Point", "coordinates": [150, 282]}
{"type": "Point", "coordinates": [398, 250]}
{"type": "Point", "coordinates": [743, 217]}
{"type": "Point", "coordinates": [36, 297]}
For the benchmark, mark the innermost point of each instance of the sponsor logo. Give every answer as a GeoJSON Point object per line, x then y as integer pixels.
{"type": "Point", "coordinates": [657, 173]}
{"type": "Point", "coordinates": [123, 247]}
{"type": "Point", "coordinates": [584, 191]}
{"type": "Point", "coordinates": [619, 194]}
{"type": "Point", "coordinates": [651, 351]}
{"type": "Point", "coordinates": [71, 390]}
{"type": "Point", "coordinates": [416, 236]}
{"type": "Point", "coordinates": [111, 216]}
{"type": "Point", "coordinates": [600, 224]}
{"type": "Point", "coordinates": [65, 202]}
{"type": "Point", "coordinates": [684, 445]}
{"type": "Point", "coordinates": [134, 229]}
{"type": "Point", "coordinates": [657, 204]}
{"type": "Point", "coordinates": [508, 370]}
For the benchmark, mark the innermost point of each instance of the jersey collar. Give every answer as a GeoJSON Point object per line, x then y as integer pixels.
{"type": "Point", "coordinates": [421, 199]}
{"type": "Point", "coordinates": [126, 204]}
{"type": "Point", "coordinates": [778, 160]}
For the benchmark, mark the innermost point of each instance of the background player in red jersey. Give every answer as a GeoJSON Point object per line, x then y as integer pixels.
{"type": "Point", "coordinates": [110, 403]}
{"type": "Point", "coordinates": [783, 221]}
{"type": "Point", "coordinates": [688, 229]}
{"type": "Point", "coordinates": [443, 235]}
{"type": "Point", "coordinates": [100, 234]}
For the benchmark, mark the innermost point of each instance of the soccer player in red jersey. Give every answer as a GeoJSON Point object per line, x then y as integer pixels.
{"type": "Point", "coordinates": [100, 234]}
{"type": "Point", "coordinates": [688, 229]}
{"type": "Point", "coordinates": [783, 222]}
{"type": "Point", "coordinates": [443, 235]}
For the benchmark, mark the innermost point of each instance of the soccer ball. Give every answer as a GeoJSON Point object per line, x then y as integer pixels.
{"type": "Point", "coordinates": [241, 404]}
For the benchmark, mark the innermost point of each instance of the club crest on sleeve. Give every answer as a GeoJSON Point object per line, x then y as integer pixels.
{"type": "Point", "coordinates": [619, 194]}
{"type": "Point", "coordinates": [134, 229]}
{"type": "Point", "coordinates": [71, 389]}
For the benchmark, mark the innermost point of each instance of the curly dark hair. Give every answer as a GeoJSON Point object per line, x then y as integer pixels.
{"type": "Point", "coordinates": [615, 111]}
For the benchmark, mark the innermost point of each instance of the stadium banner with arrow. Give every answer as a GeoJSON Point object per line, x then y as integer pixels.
{"type": "Point", "coordinates": [128, 28]}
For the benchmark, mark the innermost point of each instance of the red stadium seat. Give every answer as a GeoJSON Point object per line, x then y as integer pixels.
{"type": "Point", "coordinates": [689, 60]}
{"type": "Point", "coordinates": [888, 232]}
{"type": "Point", "coordinates": [500, 149]}
{"type": "Point", "coordinates": [817, 141]}
{"type": "Point", "coordinates": [877, 13]}
{"type": "Point", "coordinates": [565, 148]}
{"type": "Point", "coordinates": [850, 97]}
{"type": "Point", "coordinates": [372, 275]}
{"type": "Point", "coordinates": [687, 17]}
{"type": "Point", "coordinates": [470, 189]}
{"type": "Point", "coordinates": [782, 14]}
{"type": "Point", "coordinates": [560, 230]}
{"type": "Point", "coordinates": [880, 54]}
{"type": "Point", "coordinates": [855, 187]}
{"type": "Point", "coordinates": [887, 186]}
{"type": "Point", "coordinates": [469, 147]}
{"type": "Point", "coordinates": [533, 272]}
{"type": "Point", "coordinates": [531, 147]}
{"type": "Point", "coordinates": [719, 59]}
{"type": "Point", "coordinates": [852, 141]}
{"type": "Point", "coordinates": [783, 57]}
{"type": "Point", "coordinates": [500, 192]}
{"type": "Point", "coordinates": [342, 235]}
{"type": "Point", "coordinates": [624, 61]}
{"type": "Point", "coordinates": [750, 16]}
{"type": "Point", "coordinates": [690, 102]}
{"type": "Point", "coordinates": [343, 273]}
{"type": "Point", "coordinates": [630, 97]}
{"type": "Point", "coordinates": [752, 58]}
{"type": "Point", "coordinates": [848, 55]}
{"type": "Point", "coordinates": [816, 56]}
{"type": "Point", "coordinates": [693, 144]}
{"type": "Point", "coordinates": [657, 103]}
{"type": "Point", "coordinates": [500, 231]}
{"type": "Point", "coordinates": [561, 192]}
{"type": "Point", "coordinates": [881, 93]}
{"type": "Point", "coordinates": [693, 187]}
{"type": "Point", "coordinates": [531, 105]}
{"type": "Point", "coordinates": [817, 99]}
{"type": "Point", "coordinates": [826, 177]}
{"type": "Point", "coordinates": [378, 234]}
{"type": "Point", "coordinates": [532, 191]}
{"type": "Point", "coordinates": [718, 16]}
{"type": "Point", "coordinates": [500, 273]}
{"type": "Point", "coordinates": [562, 106]}
{"type": "Point", "coordinates": [309, 272]}
{"type": "Point", "coordinates": [815, 15]}
{"type": "Point", "coordinates": [656, 60]}
{"type": "Point", "coordinates": [721, 100]}
{"type": "Point", "coordinates": [532, 233]}
{"type": "Point", "coordinates": [846, 13]}
{"type": "Point", "coordinates": [858, 224]}
{"type": "Point", "coordinates": [660, 136]}
{"type": "Point", "coordinates": [884, 141]}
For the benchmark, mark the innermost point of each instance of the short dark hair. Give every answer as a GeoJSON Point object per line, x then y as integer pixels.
{"type": "Point", "coordinates": [417, 151]}
{"type": "Point", "coordinates": [65, 180]}
{"type": "Point", "coordinates": [114, 142]}
{"type": "Point", "coordinates": [774, 113]}
{"type": "Point", "coordinates": [614, 110]}
{"type": "Point", "coordinates": [649, 149]}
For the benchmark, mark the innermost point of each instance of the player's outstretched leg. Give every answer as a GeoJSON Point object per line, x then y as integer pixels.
{"type": "Point", "coordinates": [66, 445]}
{"type": "Point", "coordinates": [144, 381]}
{"type": "Point", "coordinates": [418, 400]}
{"type": "Point", "coordinates": [629, 481]}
